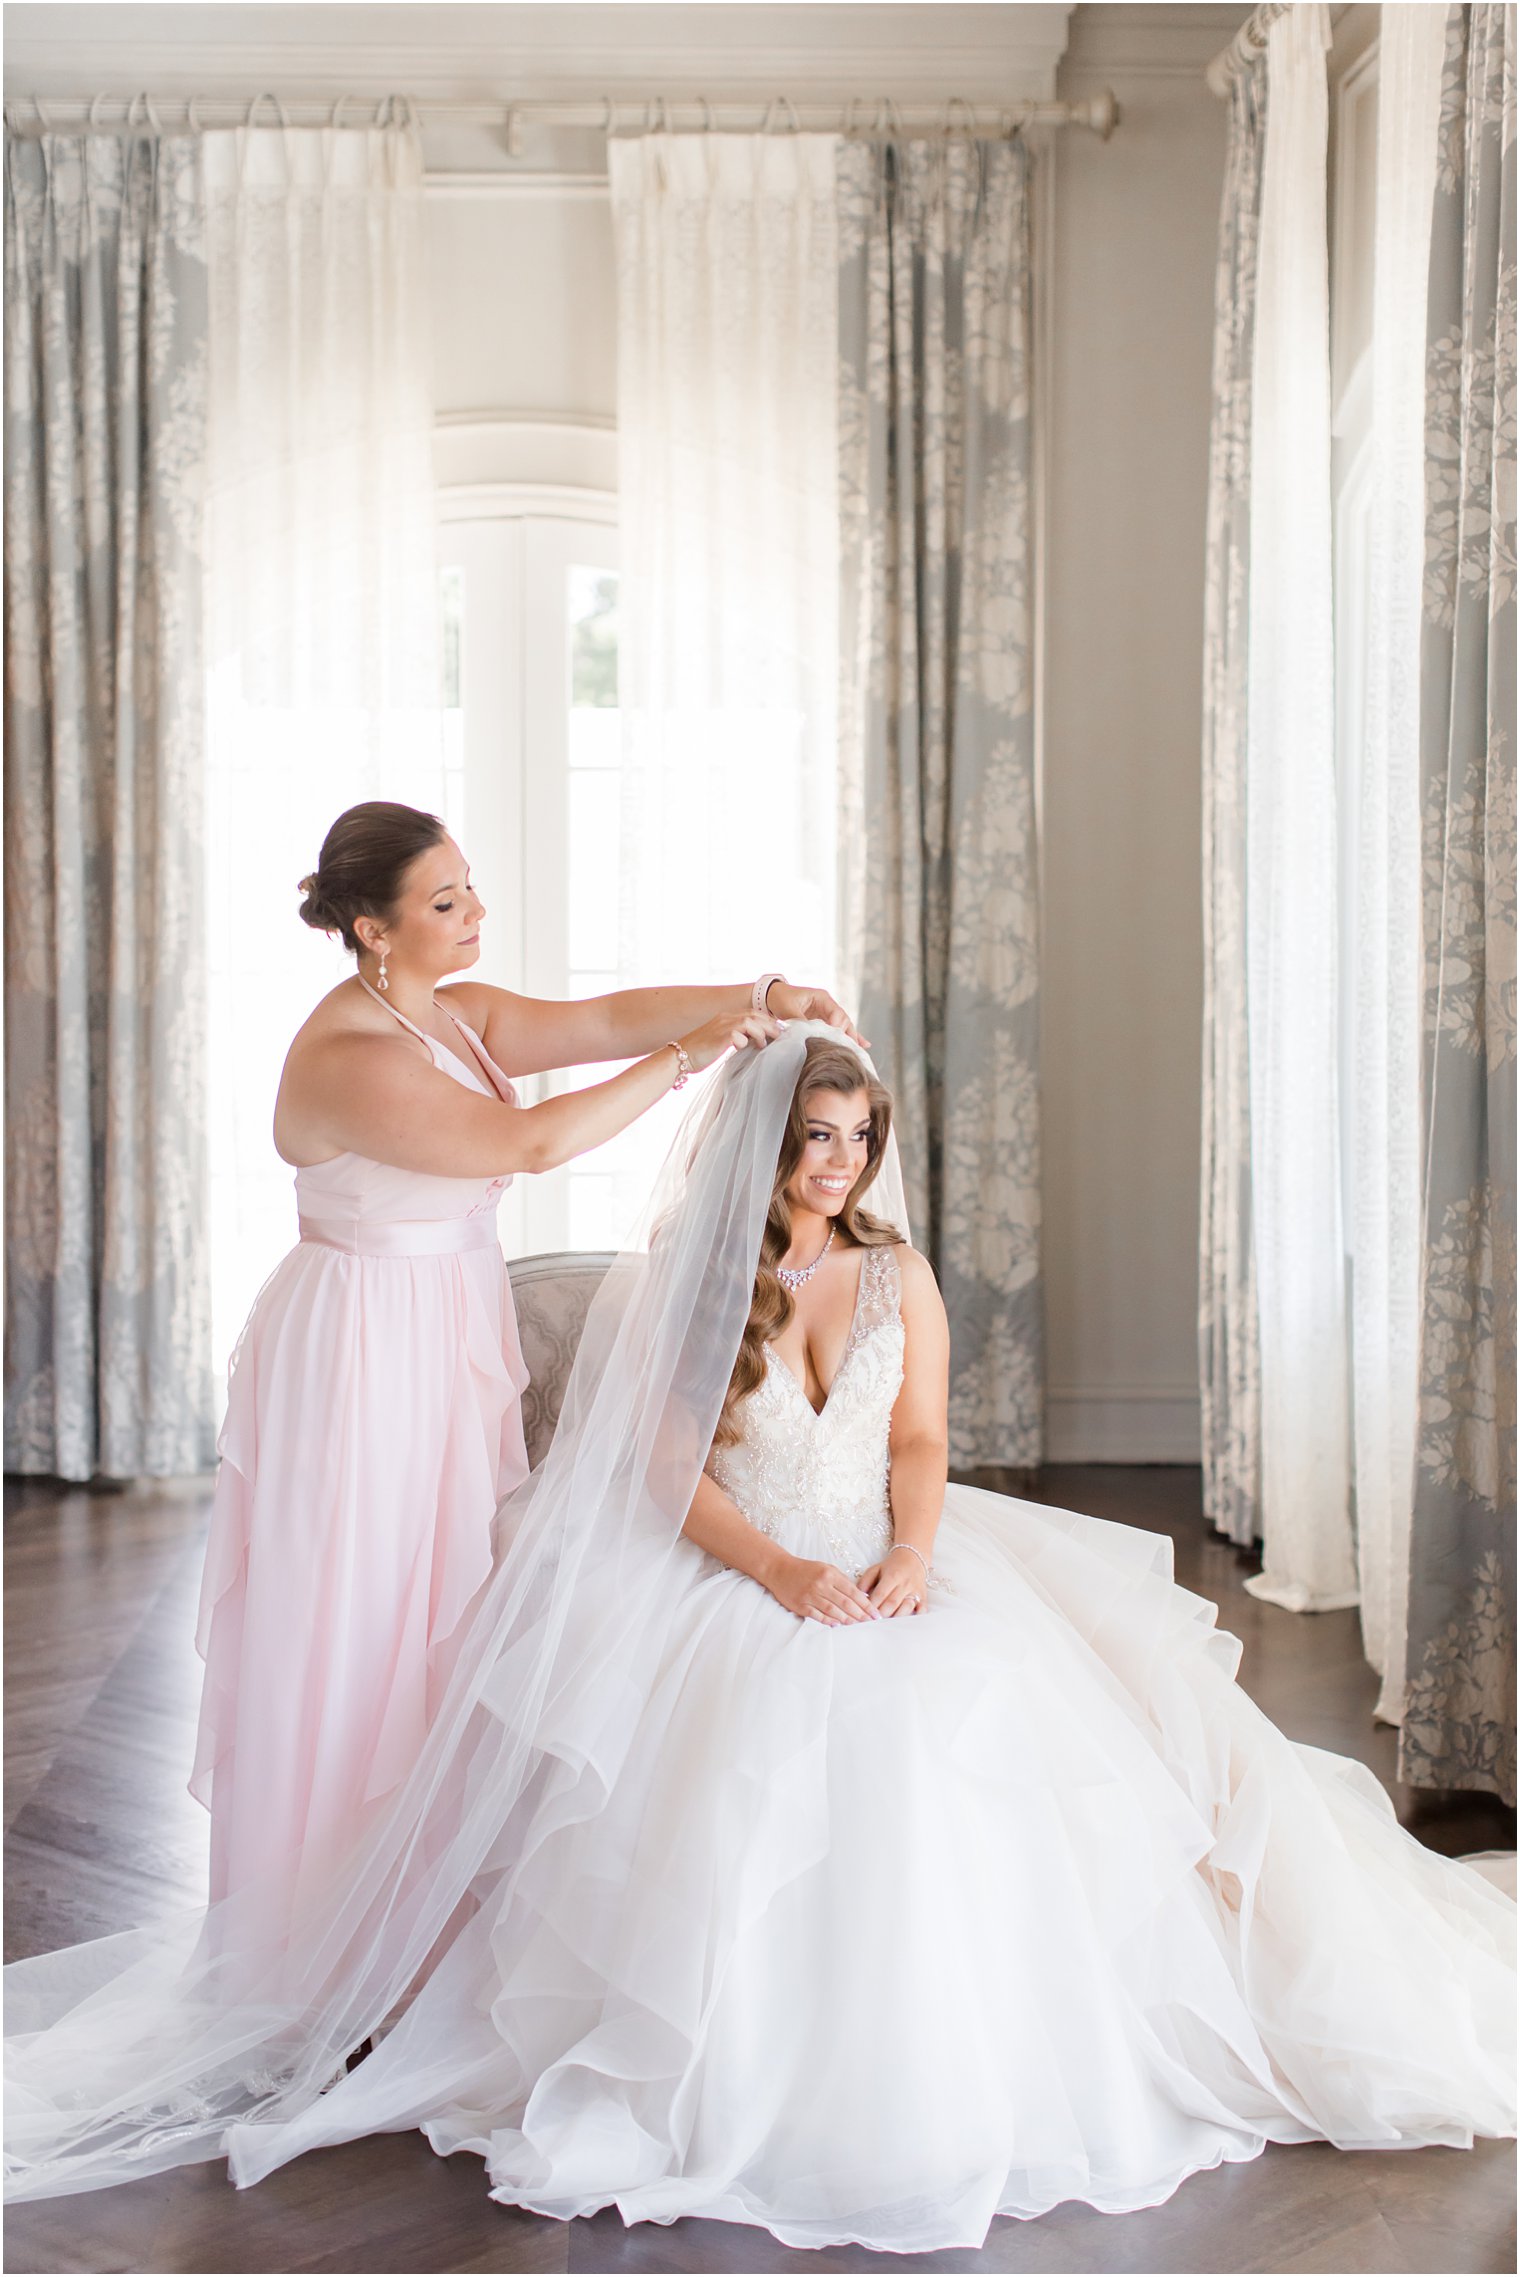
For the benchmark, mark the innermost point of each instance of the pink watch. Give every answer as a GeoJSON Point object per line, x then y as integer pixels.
{"type": "Point", "coordinates": [762, 989]}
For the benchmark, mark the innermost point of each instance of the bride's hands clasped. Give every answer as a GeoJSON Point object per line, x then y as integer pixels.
{"type": "Point", "coordinates": [819, 1592]}
{"type": "Point", "coordinates": [897, 1585]}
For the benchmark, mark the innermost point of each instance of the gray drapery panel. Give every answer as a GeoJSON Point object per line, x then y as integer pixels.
{"type": "Point", "coordinates": [1459, 1718]}
{"type": "Point", "coordinates": [107, 1308]}
{"type": "Point", "coordinates": [1229, 1353]}
{"type": "Point", "coordinates": [939, 886]}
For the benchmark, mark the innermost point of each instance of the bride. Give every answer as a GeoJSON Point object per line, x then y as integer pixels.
{"type": "Point", "coordinates": [804, 1842]}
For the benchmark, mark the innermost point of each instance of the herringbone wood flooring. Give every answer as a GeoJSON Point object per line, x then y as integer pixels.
{"type": "Point", "coordinates": [101, 1691]}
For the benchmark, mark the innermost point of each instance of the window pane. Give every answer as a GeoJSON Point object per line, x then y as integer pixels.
{"type": "Point", "coordinates": [451, 636]}
{"type": "Point", "coordinates": [593, 913]}
{"type": "Point", "coordinates": [593, 597]}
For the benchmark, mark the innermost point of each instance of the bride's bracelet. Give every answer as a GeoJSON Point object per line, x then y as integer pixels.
{"type": "Point", "coordinates": [918, 1553]}
{"type": "Point", "coordinates": [684, 1068]}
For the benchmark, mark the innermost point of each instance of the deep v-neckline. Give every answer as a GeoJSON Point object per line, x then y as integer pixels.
{"type": "Point", "coordinates": [818, 1413]}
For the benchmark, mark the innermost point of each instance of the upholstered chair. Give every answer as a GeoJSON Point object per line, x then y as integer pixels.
{"type": "Point", "coordinates": [552, 1294]}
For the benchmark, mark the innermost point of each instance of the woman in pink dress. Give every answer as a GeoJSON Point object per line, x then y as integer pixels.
{"type": "Point", "coordinates": [373, 1421]}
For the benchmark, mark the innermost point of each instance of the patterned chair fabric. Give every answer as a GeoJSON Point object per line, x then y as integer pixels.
{"type": "Point", "coordinates": [552, 1294]}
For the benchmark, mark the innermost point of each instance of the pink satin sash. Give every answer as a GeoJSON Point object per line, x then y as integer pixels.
{"type": "Point", "coordinates": [405, 1237]}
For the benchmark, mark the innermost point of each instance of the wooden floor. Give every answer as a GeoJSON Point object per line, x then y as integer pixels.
{"type": "Point", "coordinates": [101, 1692]}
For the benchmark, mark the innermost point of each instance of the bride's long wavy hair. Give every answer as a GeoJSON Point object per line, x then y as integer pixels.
{"type": "Point", "coordinates": [825, 1067]}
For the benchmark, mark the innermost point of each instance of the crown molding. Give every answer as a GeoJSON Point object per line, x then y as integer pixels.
{"type": "Point", "coordinates": [1148, 42]}
{"type": "Point", "coordinates": [519, 53]}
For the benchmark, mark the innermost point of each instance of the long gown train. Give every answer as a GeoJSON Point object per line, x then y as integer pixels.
{"type": "Point", "coordinates": [886, 1930]}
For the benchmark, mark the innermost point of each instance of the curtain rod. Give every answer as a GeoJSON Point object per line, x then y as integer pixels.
{"type": "Point", "coordinates": [863, 115]}
{"type": "Point", "coordinates": [1249, 42]}
{"type": "Point", "coordinates": [1245, 47]}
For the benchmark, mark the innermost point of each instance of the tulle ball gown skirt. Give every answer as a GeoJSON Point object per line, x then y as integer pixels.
{"type": "Point", "coordinates": [888, 1930]}
{"type": "Point", "coordinates": [373, 1426]}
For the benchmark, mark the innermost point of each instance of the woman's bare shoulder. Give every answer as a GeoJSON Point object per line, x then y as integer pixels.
{"type": "Point", "coordinates": [344, 1011]}
{"type": "Point", "coordinates": [340, 1023]}
{"type": "Point", "coordinates": [471, 999]}
{"type": "Point", "coordinates": [918, 1278]}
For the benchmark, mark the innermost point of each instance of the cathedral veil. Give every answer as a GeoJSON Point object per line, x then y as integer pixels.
{"type": "Point", "coordinates": [208, 2034]}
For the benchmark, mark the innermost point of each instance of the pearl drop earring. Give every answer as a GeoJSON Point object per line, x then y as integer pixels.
{"type": "Point", "coordinates": [384, 983]}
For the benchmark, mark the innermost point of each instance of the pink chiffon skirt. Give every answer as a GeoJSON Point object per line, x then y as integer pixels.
{"type": "Point", "coordinates": [373, 1425]}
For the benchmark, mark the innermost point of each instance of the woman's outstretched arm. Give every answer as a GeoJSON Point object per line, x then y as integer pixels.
{"type": "Point", "coordinates": [529, 1035]}
{"type": "Point", "coordinates": [377, 1096]}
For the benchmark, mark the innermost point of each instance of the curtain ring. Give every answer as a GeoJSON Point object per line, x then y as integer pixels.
{"type": "Point", "coordinates": [192, 114]}
{"type": "Point", "coordinates": [780, 102]}
{"type": "Point", "coordinates": [92, 123]}
{"type": "Point", "coordinates": [849, 128]}
{"type": "Point", "coordinates": [330, 134]}
{"type": "Point", "coordinates": [245, 132]}
{"type": "Point", "coordinates": [609, 117]}
{"type": "Point", "coordinates": [655, 108]}
{"type": "Point", "coordinates": [969, 128]}
{"type": "Point", "coordinates": [709, 147]}
{"type": "Point", "coordinates": [151, 129]}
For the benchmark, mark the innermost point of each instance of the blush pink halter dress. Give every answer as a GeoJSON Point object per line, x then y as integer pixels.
{"type": "Point", "coordinates": [373, 1425]}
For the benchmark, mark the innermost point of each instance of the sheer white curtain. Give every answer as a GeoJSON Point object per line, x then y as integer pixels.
{"type": "Point", "coordinates": [728, 473]}
{"type": "Point", "coordinates": [1291, 869]}
{"type": "Point", "coordinates": [1383, 1125]}
{"type": "Point", "coordinates": [320, 601]}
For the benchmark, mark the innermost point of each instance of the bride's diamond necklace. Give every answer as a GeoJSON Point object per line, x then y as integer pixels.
{"type": "Point", "coordinates": [793, 1276]}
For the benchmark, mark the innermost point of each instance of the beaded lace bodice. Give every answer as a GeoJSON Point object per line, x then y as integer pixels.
{"type": "Point", "coordinates": [816, 1481]}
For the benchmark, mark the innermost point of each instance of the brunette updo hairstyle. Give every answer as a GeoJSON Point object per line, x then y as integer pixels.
{"type": "Point", "coordinates": [826, 1066]}
{"type": "Point", "coordinates": [364, 858]}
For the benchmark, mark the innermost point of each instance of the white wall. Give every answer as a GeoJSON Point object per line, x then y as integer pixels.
{"type": "Point", "coordinates": [1131, 303]}
{"type": "Point", "coordinates": [524, 313]}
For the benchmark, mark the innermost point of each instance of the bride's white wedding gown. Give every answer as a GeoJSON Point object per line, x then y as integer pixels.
{"type": "Point", "coordinates": [891, 1928]}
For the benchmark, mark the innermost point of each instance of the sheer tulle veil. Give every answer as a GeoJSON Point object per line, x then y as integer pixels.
{"type": "Point", "coordinates": [208, 2034]}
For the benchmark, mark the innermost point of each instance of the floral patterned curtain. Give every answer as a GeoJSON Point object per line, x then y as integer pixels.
{"type": "Point", "coordinates": [1459, 1715]}
{"type": "Point", "coordinates": [1229, 1349]}
{"type": "Point", "coordinates": [939, 882]}
{"type": "Point", "coordinates": [107, 1328]}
